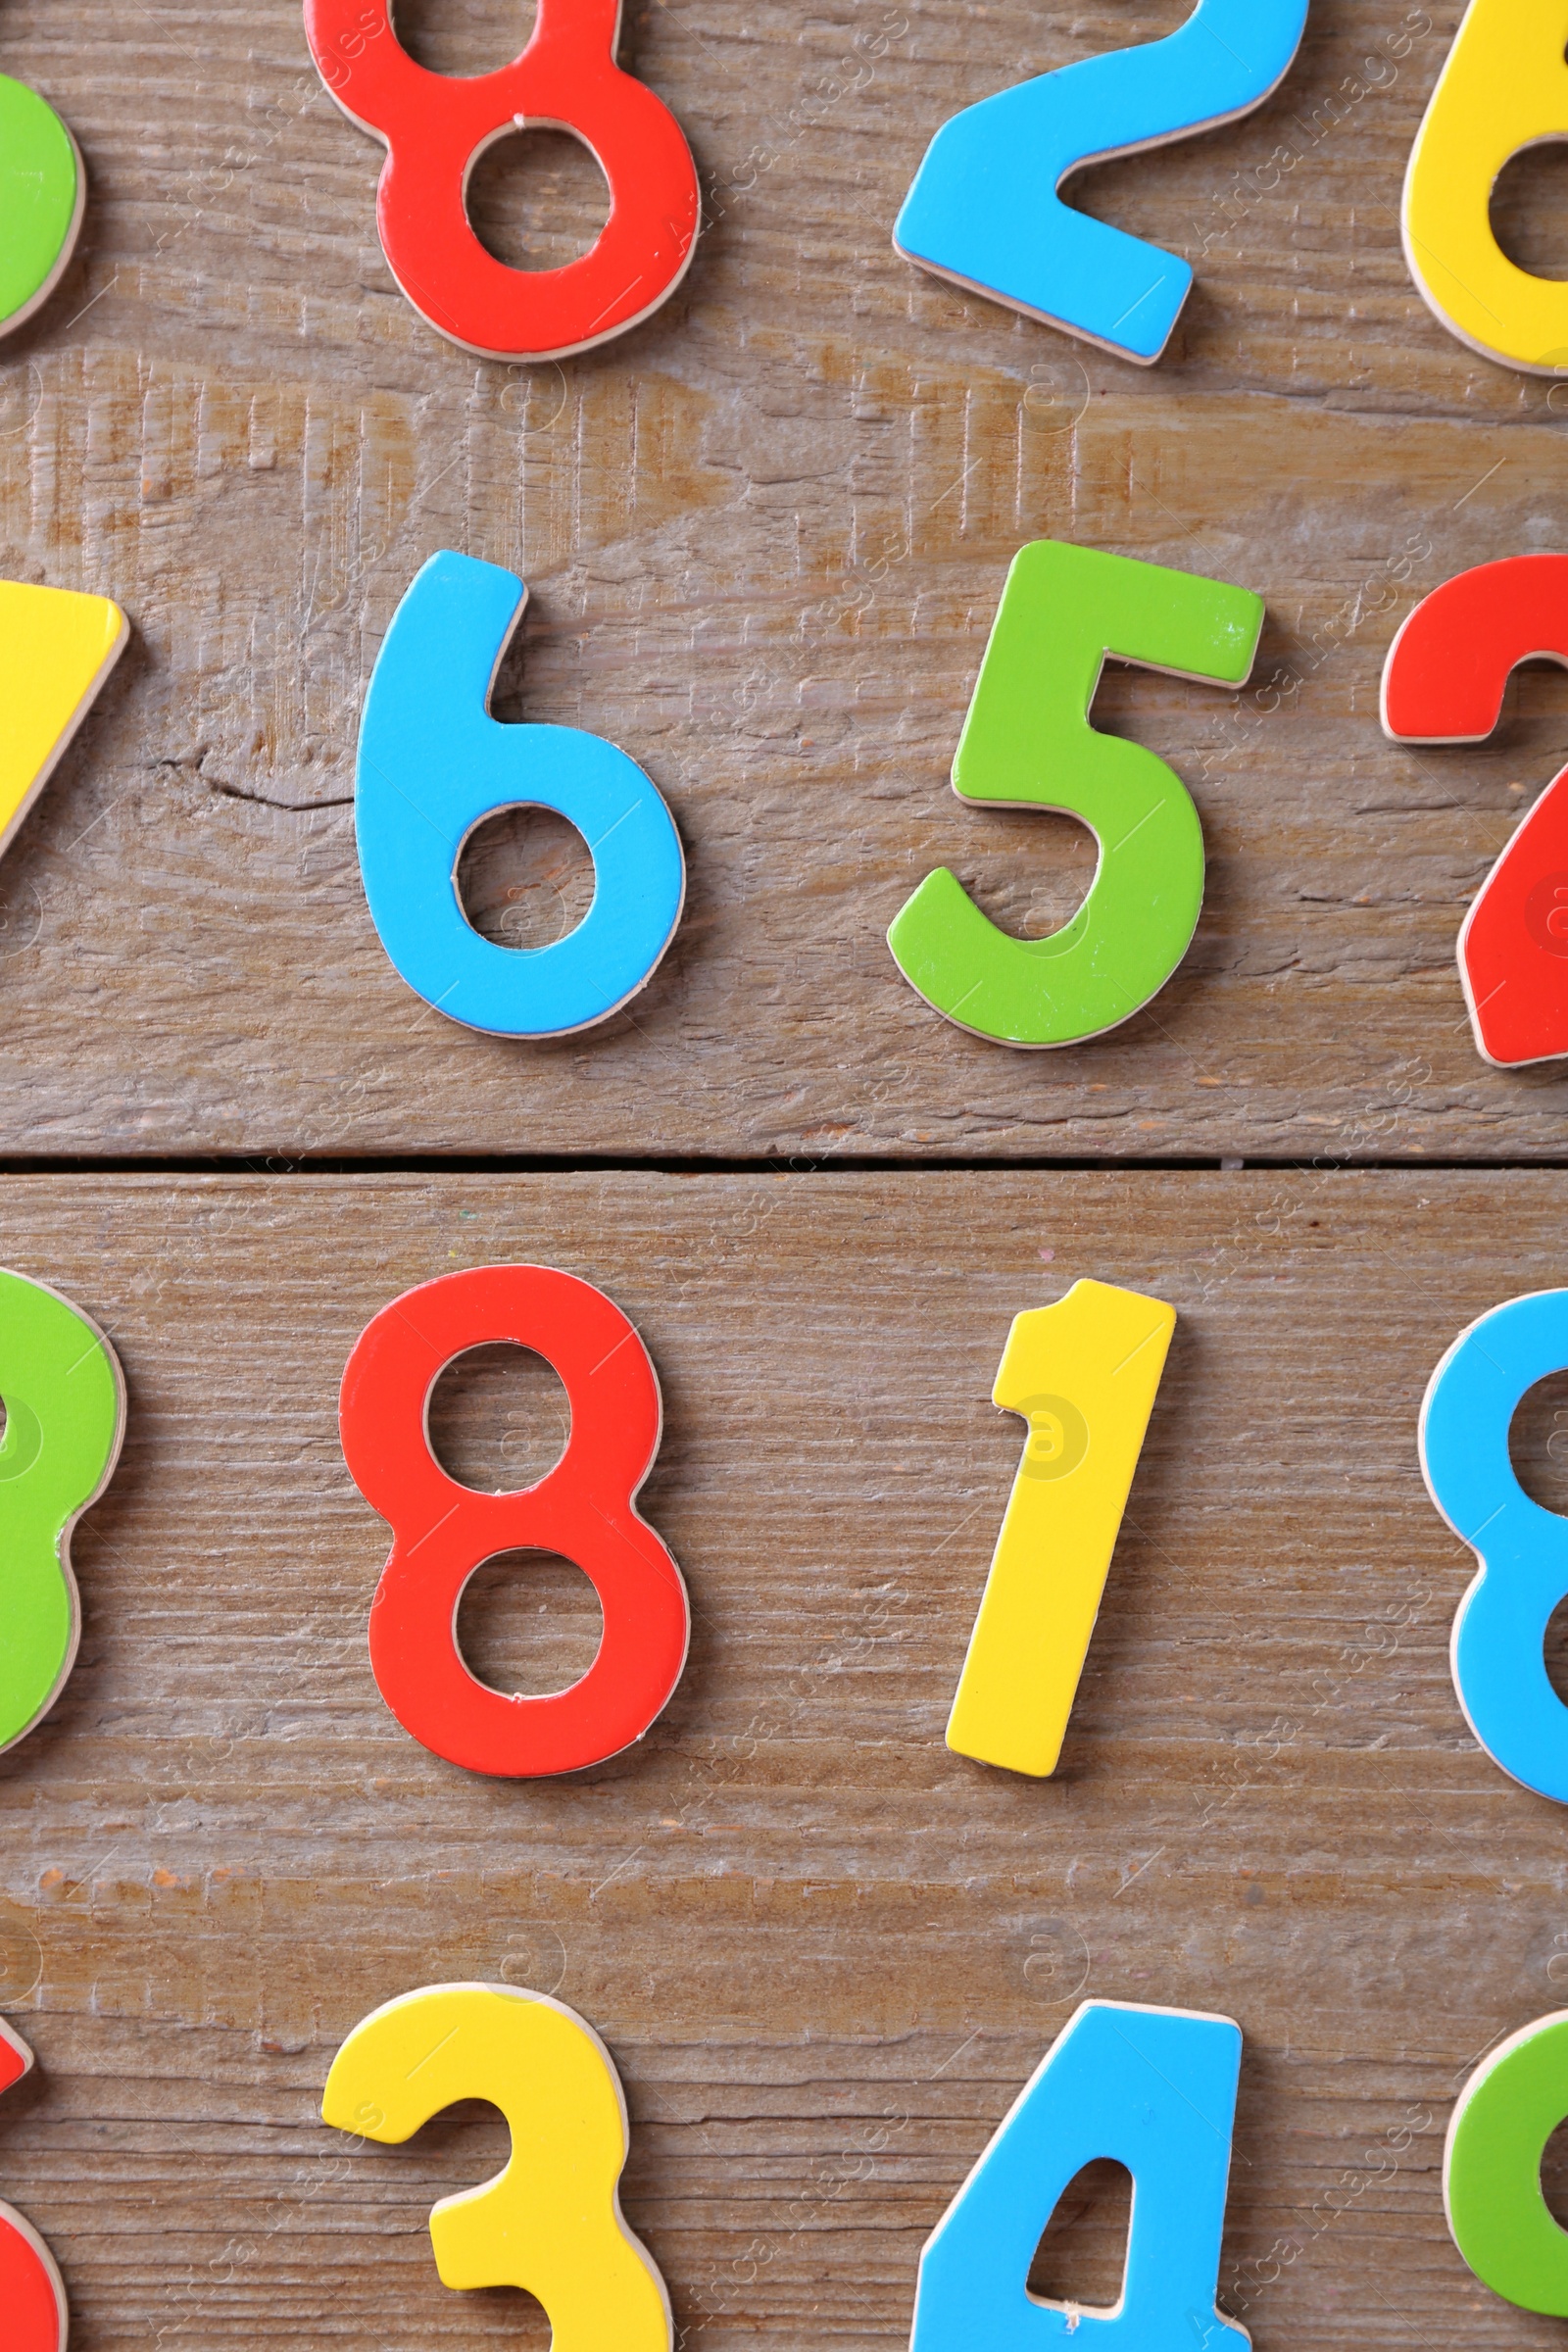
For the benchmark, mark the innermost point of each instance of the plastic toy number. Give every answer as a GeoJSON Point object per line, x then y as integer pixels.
{"type": "Point", "coordinates": [552, 2222]}
{"type": "Point", "coordinates": [1085, 1374]}
{"type": "Point", "coordinates": [436, 126]}
{"type": "Point", "coordinates": [433, 764]}
{"type": "Point", "coordinates": [57, 647]}
{"type": "Point", "coordinates": [32, 2293]}
{"type": "Point", "coordinates": [1497, 1649]}
{"type": "Point", "coordinates": [1154, 2089]}
{"type": "Point", "coordinates": [583, 1510]}
{"type": "Point", "coordinates": [1027, 741]}
{"type": "Point", "coordinates": [65, 1408]}
{"type": "Point", "coordinates": [1498, 2134]}
{"type": "Point", "coordinates": [984, 207]}
{"type": "Point", "coordinates": [1503, 87]}
{"type": "Point", "coordinates": [43, 194]}
{"type": "Point", "coordinates": [1444, 682]}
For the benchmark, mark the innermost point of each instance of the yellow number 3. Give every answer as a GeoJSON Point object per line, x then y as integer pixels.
{"type": "Point", "coordinates": [550, 2222]}
{"type": "Point", "coordinates": [1504, 87]}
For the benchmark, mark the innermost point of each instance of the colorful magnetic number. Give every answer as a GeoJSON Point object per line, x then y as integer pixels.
{"type": "Point", "coordinates": [1498, 2134]}
{"type": "Point", "coordinates": [433, 764]}
{"type": "Point", "coordinates": [552, 2222]}
{"type": "Point", "coordinates": [32, 2293]}
{"type": "Point", "coordinates": [1155, 2090]}
{"type": "Point", "coordinates": [1084, 1373]}
{"type": "Point", "coordinates": [984, 207]}
{"type": "Point", "coordinates": [1027, 740]}
{"type": "Point", "coordinates": [436, 126]}
{"type": "Point", "coordinates": [1498, 1651]}
{"type": "Point", "coordinates": [1503, 87]}
{"type": "Point", "coordinates": [43, 194]}
{"type": "Point", "coordinates": [57, 647]}
{"type": "Point", "coordinates": [65, 1406]}
{"type": "Point", "coordinates": [584, 1509]}
{"type": "Point", "coordinates": [1444, 682]}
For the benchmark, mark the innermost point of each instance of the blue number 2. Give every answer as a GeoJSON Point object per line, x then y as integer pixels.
{"type": "Point", "coordinates": [433, 764]}
{"type": "Point", "coordinates": [1497, 1649]}
{"type": "Point", "coordinates": [984, 207]}
{"type": "Point", "coordinates": [1155, 2088]}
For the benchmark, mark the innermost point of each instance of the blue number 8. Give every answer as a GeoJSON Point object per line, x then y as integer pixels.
{"type": "Point", "coordinates": [433, 764]}
{"type": "Point", "coordinates": [1499, 1632]}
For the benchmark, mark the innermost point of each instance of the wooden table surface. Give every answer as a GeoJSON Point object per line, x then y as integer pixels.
{"type": "Point", "coordinates": [763, 537]}
{"type": "Point", "coordinates": [824, 1951]}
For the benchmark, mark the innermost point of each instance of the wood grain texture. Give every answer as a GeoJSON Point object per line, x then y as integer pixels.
{"type": "Point", "coordinates": [765, 536]}
{"type": "Point", "coordinates": [824, 1951]}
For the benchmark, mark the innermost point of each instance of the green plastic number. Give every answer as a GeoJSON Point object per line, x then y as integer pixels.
{"type": "Point", "coordinates": [43, 190]}
{"type": "Point", "coordinates": [1027, 738]}
{"type": "Point", "coordinates": [1501, 2222]}
{"type": "Point", "coordinates": [65, 1406]}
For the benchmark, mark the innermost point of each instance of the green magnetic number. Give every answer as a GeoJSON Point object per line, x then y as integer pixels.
{"type": "Point", "coordinates": [1501, 2222]}
{"type": "Point", "coordinates": [65, 1416]}
{"type": "Point", "coordinates": [43, 190]}
{"type": "Point", "coordinates": [1027, 738]}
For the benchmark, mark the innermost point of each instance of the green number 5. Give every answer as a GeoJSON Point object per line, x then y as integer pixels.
{"type": "Point", "coordinates": [1028, 739]}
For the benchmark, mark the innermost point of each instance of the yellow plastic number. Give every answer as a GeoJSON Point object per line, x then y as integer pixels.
{"type": "Point", "coordinates": [1504, 87]}
{"type": "Point", "coordinates": [550, 2222]}
{"type": "Point", "coordinates": [1084, 1373]}
{"type": "Point", "coordinates": [57, 647]}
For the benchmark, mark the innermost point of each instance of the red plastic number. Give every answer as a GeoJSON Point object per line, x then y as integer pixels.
{"type": "Point", "coordinates": [1444, 682]}
{"type": "Point", "coordinates": [435, 127]}
{"type": "Point", "coordinates": [32, 2297]}
{"type": "Point", "coordinates": [584, 1510]}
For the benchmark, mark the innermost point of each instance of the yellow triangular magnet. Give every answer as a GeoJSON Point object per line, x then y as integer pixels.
{"type": "Point", "coordinates": [56, 649]}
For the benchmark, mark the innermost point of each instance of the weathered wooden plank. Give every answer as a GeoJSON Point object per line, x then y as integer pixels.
{"type": "Point", "coordinates": [765, 536]}
{"type": "Point", "coordinates": [824, 1951]}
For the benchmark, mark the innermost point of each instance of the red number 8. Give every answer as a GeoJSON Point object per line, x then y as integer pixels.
{"type": "Point", "coordinates": [436, 125]}
{"type": "Point", "coordinates": [584, 1509]}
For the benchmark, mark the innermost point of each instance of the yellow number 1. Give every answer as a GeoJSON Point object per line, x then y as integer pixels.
{"type": "Point", "coordinates": [1084, 1373]}
{"type": "Point", "coordinates": [1504, 87]}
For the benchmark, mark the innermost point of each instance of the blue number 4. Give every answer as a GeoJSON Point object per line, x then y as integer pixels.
{"type": "Point", "coordinates": [1155, 2089]}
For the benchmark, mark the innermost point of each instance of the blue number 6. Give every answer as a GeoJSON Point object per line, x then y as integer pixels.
{"type": "Point", "coordinates": [1497, 1649]}
{"type": "Point", "coordinates": [433, 764]}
